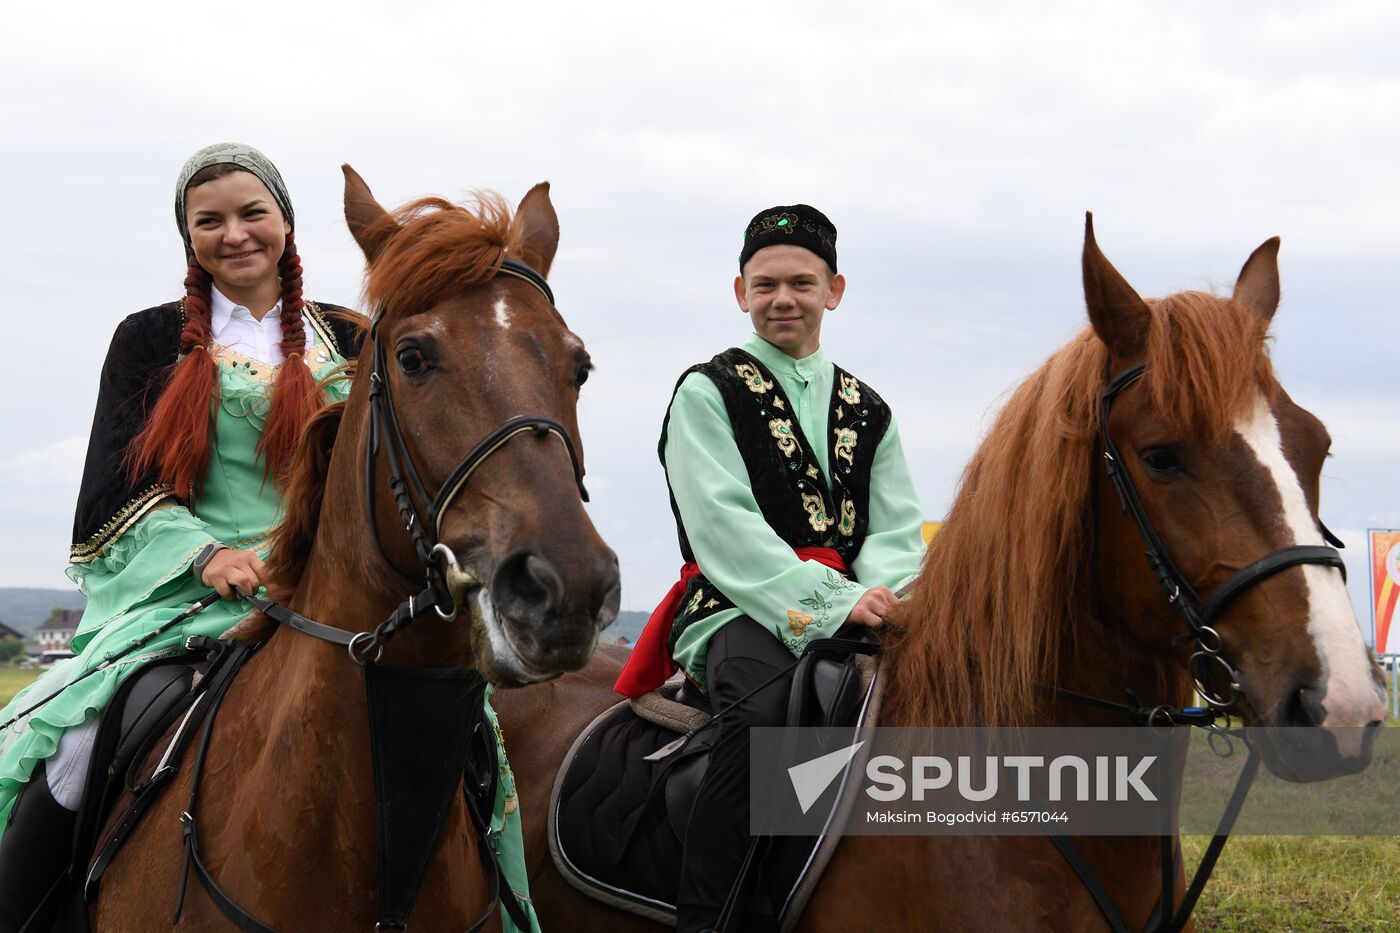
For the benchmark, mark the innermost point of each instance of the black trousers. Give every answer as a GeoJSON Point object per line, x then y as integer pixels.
{"type": "Point", "coordinates": [741, 655]}
{"type": "Point", "coordinates": [37, 847]}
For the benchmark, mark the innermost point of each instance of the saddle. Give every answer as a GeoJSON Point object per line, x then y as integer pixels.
{"type": "Point", "coordinates": [160, 712]}
{"type": "Point", "coordinates": [624, 794]}
{"type": "Point", "coordinates": [144, 708]}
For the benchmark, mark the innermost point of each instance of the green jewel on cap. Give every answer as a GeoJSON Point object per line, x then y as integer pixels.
{"type": "Point", "coordinates": [783, 222]}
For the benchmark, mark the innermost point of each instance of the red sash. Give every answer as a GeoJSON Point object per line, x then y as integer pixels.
{"type": "Point", "coordinates": [651, 662]}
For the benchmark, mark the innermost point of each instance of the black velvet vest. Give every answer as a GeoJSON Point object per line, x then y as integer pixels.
{"type": "Point", "coordinates": [785, 475]}
{"type": "Point", "coordinates": [135, 372]}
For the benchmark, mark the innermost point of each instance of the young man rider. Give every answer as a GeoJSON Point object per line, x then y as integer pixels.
{"type": "Point", "coordinates": [796, 514]}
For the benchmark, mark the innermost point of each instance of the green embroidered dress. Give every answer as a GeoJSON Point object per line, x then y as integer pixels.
{"type": "Point", "coordinates": [141, 579]}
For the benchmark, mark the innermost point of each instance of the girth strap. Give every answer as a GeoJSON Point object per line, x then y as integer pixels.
{"type": "Point", "coordinates": [1092, 884]}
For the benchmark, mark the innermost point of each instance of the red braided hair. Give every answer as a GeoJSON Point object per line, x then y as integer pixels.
{"type": "Point", "coordinates": [175, 441]}
{"type": "Point", "coordinates": [295, 397]}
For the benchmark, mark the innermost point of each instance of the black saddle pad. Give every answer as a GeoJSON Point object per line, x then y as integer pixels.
{"type": "Point", "coordinates": [617, 821]}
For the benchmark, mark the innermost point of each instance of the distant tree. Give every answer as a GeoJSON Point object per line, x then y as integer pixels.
{"type": "Point", "coordinates": [11, 650]}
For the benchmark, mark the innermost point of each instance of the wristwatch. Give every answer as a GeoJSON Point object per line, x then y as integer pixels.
{"type": "Point", "coordinates": [201, 560]}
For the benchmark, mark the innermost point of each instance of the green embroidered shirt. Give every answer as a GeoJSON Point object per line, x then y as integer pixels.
{"type": "Point", "coordinates": [736, 548]}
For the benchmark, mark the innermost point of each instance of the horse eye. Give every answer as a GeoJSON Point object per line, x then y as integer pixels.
{"type": "Point", "coordinates": [1161, 460]}
{"type": "Point", "coordinates": [412, 361]}
{"type": "Point", "coordinates": [581, 376]}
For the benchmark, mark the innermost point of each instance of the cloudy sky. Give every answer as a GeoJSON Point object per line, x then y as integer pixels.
{"type": "Point", "coordinates": [956, 146]}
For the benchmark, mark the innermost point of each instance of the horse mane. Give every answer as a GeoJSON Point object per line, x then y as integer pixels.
{"type": "Point", "coordinates": [436, 250]}
{"type": "Point", "coordinates": [1010, 573]}
{"type": "Point", "coordinates": [303, 491]}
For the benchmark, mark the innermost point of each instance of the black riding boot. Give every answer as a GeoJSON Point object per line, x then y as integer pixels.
{"type": "Point", "coordinates": [34, 852]}
{"type": "Point", "coordinates": [741, 656]}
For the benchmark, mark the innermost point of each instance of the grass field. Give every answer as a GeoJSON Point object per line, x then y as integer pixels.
{"type": "Point", "coordinates": [1262, 884]}
{"type": "Point", "coordinates": [12, 681]}
{"type": "Point", "coordinates": [1299, 884]}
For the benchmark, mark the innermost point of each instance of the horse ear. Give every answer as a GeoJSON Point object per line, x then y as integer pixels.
{"type": "Point", "coordinates": [1119, 315]}
{"type": "Point", "coordinates": [370, 224]}
{"type": "Point", "coordinates": [1257, 286]}
{"type": "Point", "coordinates": [537, 228]}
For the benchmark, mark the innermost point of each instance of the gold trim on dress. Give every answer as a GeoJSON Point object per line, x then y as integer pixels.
{"type": "Point", "coordinates": [118, 524]}
{"type": "Point", "coordinates": [322, 326]}
{"type": "Point", "coordinates": [317, 356]}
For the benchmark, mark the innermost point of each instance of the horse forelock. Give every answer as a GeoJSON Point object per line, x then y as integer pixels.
{"type": "Point", "coordinates": [1009, 575]}
{"type": "Point", "coordinates": [1206, 362]}
{"type": "Point", "coordinates": [438, 250]}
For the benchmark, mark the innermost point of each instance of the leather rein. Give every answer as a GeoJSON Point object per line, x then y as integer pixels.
{"type": "Point", "coordinates": [1206, 663]}
{"type": "Point", "coordinates": [447, 584]}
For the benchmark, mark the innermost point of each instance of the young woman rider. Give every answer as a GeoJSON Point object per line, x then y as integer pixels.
{"type": "Point", "coordinates": [199, 406]}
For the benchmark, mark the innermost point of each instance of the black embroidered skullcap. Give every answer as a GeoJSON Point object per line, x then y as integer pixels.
{"type": "Point", "coordinates": [795, 224]}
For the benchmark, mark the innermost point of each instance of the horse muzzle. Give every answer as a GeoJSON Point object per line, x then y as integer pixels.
{"type": "Point", "coordinates": [534, 622]}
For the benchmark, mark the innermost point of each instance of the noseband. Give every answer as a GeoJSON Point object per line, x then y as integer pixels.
{"type": "Point", "coordinates": [1200, 614]}
{"type": "Point", "coordinates": [404, 479]}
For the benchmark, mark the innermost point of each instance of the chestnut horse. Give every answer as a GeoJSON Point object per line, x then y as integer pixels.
{"type": "Point", "coordinates": [286, 811]}
{"type": "Point", "coordinates": [1038, 578]}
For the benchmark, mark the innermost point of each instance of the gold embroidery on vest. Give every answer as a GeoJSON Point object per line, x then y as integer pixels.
{"type": "Point", "coordinates": [845, 444]}
{"type": "Point", "coordinates": [781, 429]}
{"type": "Point", "coordinates": [850, 389]}
{"type": "Point", "coordinates": [816, 512]}
{"type": "Point", "coordinates": [848, 518]}
{"type": "Point", "coordinates": [753, 378]}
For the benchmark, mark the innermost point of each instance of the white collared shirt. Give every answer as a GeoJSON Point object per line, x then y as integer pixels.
{"type": "Point", "coordinates": [233, 326]}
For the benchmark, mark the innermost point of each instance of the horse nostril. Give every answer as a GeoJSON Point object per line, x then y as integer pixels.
{"type": "Point", "coordinates": [526, 587]}
{"type": "Point", "coordinates": [1305, 708]}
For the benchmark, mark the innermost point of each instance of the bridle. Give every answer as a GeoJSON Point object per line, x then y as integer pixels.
{"type": "Point", "coordinates": [1199, 614]}
{"type": "Point", "coordinates": [395, 693]}
{"type": "Point", "coordinates": [1206, 663]}
{"type": "Point", "coordinates": [424, 528]}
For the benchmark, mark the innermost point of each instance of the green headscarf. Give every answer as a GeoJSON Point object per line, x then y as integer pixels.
{"type": "Point", "coordinates": [246, 158]}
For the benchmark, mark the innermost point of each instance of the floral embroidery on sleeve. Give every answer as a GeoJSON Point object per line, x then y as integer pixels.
{"type": "Point", "coordinates": [818, 605]}
{"type": "Point", "coordinates": [798, 621]}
